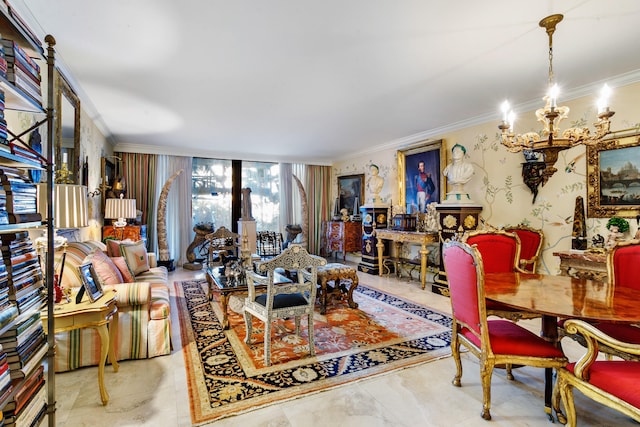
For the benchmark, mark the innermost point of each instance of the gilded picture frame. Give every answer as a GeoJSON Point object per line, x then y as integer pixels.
{"type": "Point", "coordinates": [613, 177]}
{"type": "Point", "coordinates": [350, 187]}
{"type": "Point", "coordinates": [412, 181]}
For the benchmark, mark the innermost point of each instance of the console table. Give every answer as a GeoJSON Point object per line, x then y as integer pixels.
{"type": "Point", "coordinates": [411, 237]}
{"type": "Point", "coordinates": [583, 264]}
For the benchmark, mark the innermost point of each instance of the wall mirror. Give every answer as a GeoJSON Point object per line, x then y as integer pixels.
{"type": "Point", "coordinates": [67, 128]}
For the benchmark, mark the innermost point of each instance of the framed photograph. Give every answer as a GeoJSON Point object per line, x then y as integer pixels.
{"type": "Point", "coordinates": [350, 188]}
{"type": "Point", "coordinates": [613, 177]}
{"type": "Point", "coordinates": [420, 178]}
{"type": "Point", "coordinates": [90, 282]}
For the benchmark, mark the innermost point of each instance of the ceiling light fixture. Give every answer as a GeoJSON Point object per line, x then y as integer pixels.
{"type": "Point", "coordinates": [545, 146]}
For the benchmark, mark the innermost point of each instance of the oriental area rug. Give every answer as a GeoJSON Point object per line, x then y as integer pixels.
{"type": "Point", "coordinates": [226, 377]}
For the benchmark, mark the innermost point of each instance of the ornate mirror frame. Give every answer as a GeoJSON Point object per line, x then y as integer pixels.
{"type": "Point", "coordinates": [64, 94]}
{"type": "Point", "coordinates": [613, 177]}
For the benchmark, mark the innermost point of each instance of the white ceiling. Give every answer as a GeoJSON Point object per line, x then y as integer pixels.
{"type": "Point", "coordinates": [317, 81]}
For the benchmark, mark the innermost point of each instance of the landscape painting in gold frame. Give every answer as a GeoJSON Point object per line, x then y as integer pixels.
{"type": "Point", "coordinates": [409, 176]}
{"type": "Point", "coordinates": [613, 177]}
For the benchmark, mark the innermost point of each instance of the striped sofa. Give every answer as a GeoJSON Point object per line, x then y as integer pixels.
{"type": "Point", "coordinates": [144, 325]}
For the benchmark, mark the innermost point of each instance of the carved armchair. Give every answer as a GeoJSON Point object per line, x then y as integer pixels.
{"type": "Point", "coordinates": [284, 298]}
{"type": "Point", "coordinates": [223, 243]}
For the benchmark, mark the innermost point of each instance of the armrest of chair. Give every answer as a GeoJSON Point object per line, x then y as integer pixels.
{"type": "Point", "coordinates": [593, 337]}
{"type": "Point", "coordinates": [128, 294]}
{"type": "Point", "coordinates": [252, 278]}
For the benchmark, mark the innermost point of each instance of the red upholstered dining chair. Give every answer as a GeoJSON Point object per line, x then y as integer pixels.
{"type": "Point", "coordinates": [500, 253]}
{"type": "Point", "coordinates": [623, 269]}
{"type": "Point", "coordinates": [530, 245]}
{"type": "Point", "coordinates": [493, 342]}
{"type": "Point", "coordinates": [613, 383]}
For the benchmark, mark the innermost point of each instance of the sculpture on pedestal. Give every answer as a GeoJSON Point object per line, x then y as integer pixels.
{"type": "Point", "coordinates": [375, 184]}
{"type": "Point", "coordinates": [458, 173]}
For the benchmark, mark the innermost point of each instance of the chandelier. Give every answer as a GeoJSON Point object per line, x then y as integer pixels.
{"type": "Point", "coordinates": [545, 146]}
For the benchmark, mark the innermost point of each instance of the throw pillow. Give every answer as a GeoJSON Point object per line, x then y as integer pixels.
{"type": "Point", "coordinates": [113, 246]}
{"type": "Point", "coordinates": [105, 268]}
{"type": "Point", "coordinates": [124, 269]}
{"type": "Point", "coordinates": [135, 254]}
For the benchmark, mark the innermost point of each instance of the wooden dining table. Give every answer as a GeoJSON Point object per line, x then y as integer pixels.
{"type": "Point", "coordinates": [562, 297]}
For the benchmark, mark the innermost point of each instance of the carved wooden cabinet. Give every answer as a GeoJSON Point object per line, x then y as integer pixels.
{"type": "Point", "coordinates": [133, 232]}
{"type": "Point", "coordinates": [343, 237]}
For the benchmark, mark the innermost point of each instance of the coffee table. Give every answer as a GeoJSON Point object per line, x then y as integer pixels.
{"type": "Point", "coordinates": [218, 283]}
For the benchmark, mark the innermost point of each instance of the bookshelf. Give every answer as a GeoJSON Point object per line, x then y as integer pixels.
{"type": "Point", "coordinates": [31, 396]}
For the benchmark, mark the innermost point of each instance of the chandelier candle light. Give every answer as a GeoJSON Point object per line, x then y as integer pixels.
{"type": "Point", "coordinates": [545, 146]}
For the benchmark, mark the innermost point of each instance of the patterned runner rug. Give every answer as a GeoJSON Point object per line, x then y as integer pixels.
{"type": "Point", "coordinates": [226, 376]}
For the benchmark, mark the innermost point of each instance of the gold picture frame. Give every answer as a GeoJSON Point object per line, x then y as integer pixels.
{"type": "Point", "coordinates": [432, 153]}
{"type": "Point", "coordinates": [613, 177]}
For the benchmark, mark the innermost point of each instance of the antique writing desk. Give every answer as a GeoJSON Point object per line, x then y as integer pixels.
{"type": "Point", "coordinates": [562, 296]}
{"type": "Point", "coordinates": [400, 237]}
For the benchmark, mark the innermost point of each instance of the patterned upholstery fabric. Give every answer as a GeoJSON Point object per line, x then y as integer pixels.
{"type": "Point", "coordinates": [144, 326]}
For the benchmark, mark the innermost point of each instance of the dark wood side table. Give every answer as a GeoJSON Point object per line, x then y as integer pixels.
{"type": "Point", "coordinates": [341, 236]}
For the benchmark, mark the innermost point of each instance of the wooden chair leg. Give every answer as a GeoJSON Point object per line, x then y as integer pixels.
{"type": "Point", "coordinates": [267, 343]}
{"type": "Point", "coordinates": [248, 323]}
{"type": "Point", "coordinates": [312, 345]}
{"type": "Point", "coordinates": [455, 352]}
{"type": "Point", "coordinates": [486, 372]}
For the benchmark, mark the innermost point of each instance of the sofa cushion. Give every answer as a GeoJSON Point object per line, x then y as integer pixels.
{"type": "Point", "coordinates": [113, 246]}
{"type": "Point", "coordinates": [127, 277]}
{"type": "Point", "coordinates": [107, 271]}
{"type": "Point", "coordinates": [135, 254]}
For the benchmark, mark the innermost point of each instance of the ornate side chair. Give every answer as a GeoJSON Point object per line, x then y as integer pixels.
{"type": "Point", "coordinates": [530, 245]}
{"type": "Point", "coordinates": [284, 298]}
{"type": "Point", "coordinates": [493, 342]}
{"type": "Point", "coordinates": [222, 243]}
{"type": "Point", "coordinates": [613, 383]}
{"type": "Point", "coordinates": [500, 253]}
{"type": "Point", "coordinates": [623, 269]}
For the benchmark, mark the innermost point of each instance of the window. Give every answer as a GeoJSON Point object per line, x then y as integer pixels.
{"type": "Point", "coordinates": [264, 181]}
{"type": "Point", "coordinates": [211, 189]}
{"type": "Point", "coordinates": [212, 192]}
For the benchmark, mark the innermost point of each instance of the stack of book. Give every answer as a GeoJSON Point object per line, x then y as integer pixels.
{"type": "Point", "coordinates": [22, 70]}
{"type": "Point", "coordinates": [5, 377]}
{"type": "Point", "coordinates": [28, 406]}
{"type": "Point", "coordinates": [4, 142]}
{"type": "Point", "coordinates": [25, 346]}
{"type": "Point", "coordinates": [18, 197]}
{"type": "Point", "coordinates": [8, 309]}
{"type": "Point", "coordinates": [26, 287]}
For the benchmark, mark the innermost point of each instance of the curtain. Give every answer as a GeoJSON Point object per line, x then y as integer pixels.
{"type": "Point", "coordinates": [139, 171]}
{"type": "Point", "coordinates": [179, 220]}
{"type": "Point", "coordinates": [286, 196]}
{"type": "Point", "coordinates": [318, 188]}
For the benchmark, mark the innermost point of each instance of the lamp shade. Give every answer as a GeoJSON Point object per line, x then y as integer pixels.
{"type": "Point", "coordinates": [69, 205]}
{"type": "Point", "coordinates": [120, 208]}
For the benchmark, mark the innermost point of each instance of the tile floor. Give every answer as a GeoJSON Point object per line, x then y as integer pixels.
{"type": "Point", "coordinates": [153, 392]}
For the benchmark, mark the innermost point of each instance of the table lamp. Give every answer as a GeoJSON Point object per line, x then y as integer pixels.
{"type": "Point", "coordinates": [120, 209]}
{"type": "Point", "coordinates": [69, 208]}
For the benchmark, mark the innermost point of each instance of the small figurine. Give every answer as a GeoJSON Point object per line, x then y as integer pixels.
{"type": "Point", "coordinates": [344, 212]}
{"type": "Point", "coordinates": [598, 241]}
{"type": "Point", "coordinates": [617, 227]}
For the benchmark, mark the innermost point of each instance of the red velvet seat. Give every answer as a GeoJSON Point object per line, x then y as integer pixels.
{"type": "Point", "coordinates": [530, 245]}
{"type": "Point", "coordinates": [496, 341]}
{"type": "Point", "coordinates": [611, 382]}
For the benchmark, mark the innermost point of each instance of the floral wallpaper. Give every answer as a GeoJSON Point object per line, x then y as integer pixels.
{"type": "Point", "coordinates": [497, 183]}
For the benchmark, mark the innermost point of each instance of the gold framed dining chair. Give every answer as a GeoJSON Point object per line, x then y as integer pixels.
{"type": "Point", "coordinates": [613, 383]}
{"type": "Point", "coordinates": [493, 341]}
{"type": "Point", "coordinates": [531, 240]}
